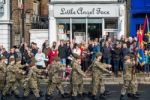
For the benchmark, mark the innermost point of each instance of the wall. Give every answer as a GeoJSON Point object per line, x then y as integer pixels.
{"type": "Point", "coordinates": [35, 36]}
{"type": "Point", "coordinates": [5, 26]}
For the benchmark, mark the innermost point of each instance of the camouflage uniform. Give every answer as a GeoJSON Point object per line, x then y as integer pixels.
{"type": "Point", "coordinates": [11, 80]}
{"type": "Point", "coordinates": [55, 78]}
{"type": "Point", "coordinates": [31, 82]}
{"type": "Point", "coordinates": [77, 79]}
{"type": "Point", "coordinates": [98, 69]}
{"type": "Point", "coordinates": [130, 83]}
{"type": "Point", "coordinates": [2, 75]}
{"type": "Point", "coordinates": [20, 75]}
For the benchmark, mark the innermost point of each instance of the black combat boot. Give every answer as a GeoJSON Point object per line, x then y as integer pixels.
{"type": "Point", "coordinates": [102, 97]}
{"type": "Point", "coordinates": [106, 93]}
{"type": "Point", "coordinates": [41, 94]}
{"type": "Point", "coordinates": [94, 97]}
{"type": "Point", "coordinates": [135, 96]}
{"type": "Point", "coordinates": [123, 97]}
{"type": "Point", "coordinates": [137, 93]}
{"type": "Point", "coordinates": [38, 98]}
{"type": "Point", "coordinates": [74, 98]}
{"type": "Point", "coordinates": [48, 97]}
{"type": "Point", "coordinates": [3, 97]}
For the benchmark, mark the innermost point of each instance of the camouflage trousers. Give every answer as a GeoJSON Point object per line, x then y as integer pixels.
{"type": "Point", "coordinates": [77, 89]}
{"type": "Point", "coordinates": [2, 85]}
{"type": "Point", "coordinates": [31, 86]}
{"type": "Point", "coordinates": [10, 86]}
{"type": "Point", "coordinates": [52, 86]}
{"type": "Point", "coordinates": [98, 84]}
{"type": "Point", "coordinates": [129, 86]}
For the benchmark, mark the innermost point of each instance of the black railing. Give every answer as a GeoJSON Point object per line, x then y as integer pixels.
{"type": "Point", "coordinates": [40, 23]}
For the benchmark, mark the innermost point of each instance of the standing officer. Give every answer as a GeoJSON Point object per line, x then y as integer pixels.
{"type": "Point", "coordinates": [98, 69]}
{"type": "Point", "coordinates": [55, 79]}
{"type": "Point", "coordinates": [10, 80]}
{"type": "Point", "coordinates": [129, 80]}
{"type": "Point", "coordinates": [77, 77]}
{"type": "Point", "coordinates": [2, 73]}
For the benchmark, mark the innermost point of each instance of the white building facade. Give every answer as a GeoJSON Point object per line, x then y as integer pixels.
{"type": "Point", "coordinates": [5, 23]}
{"type": "Point", "coordinates": [84, 20]}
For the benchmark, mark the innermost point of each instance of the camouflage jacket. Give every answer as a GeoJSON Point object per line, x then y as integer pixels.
{"type": "Point", "coordinates": [98, 69]}
{"type": "Point", "coordinates": [19, 71]}
{"type": "Point", "coordinates": [55, 72]}
{"type": "Point", "coordinates": [77, 74]}
{"type": "Point", "coordinates": [2, 71]}
{"type": "Point", "coordinates": [128, 70]}
{"type": "Point", "coordinates": [11, 73]}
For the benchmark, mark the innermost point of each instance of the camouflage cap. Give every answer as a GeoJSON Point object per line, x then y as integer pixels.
{"type": "Point", "coordinates": [76, 56]}
{"type": "Point", "coordinates": [98, 54]}
{"type": "Point", "coordinates": [18, 59]}
{"type": "Point", "coordinates": [56, 59]}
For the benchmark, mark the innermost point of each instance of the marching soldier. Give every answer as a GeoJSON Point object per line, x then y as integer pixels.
{"type": "Point", "coordinates": [98, 69]}
{"type": "Point", "coordinates": [2, 73]}
{"type": "Point", "coordinates": [129, 80]}
{"type": "Point", "coordinates": [55, 80]}
{"type": "Point", "coordinates": [20, 74]}
{"type": "Point", "coordinates": [31, 81]}
{"type": "Point", "coordinates": [10, 80]}
{"type": "Point", "coordinates": [77, 78]}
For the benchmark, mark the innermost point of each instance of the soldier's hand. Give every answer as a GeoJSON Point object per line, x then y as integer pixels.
{"type": "Point", "coordinates": [109, 66]}
{"type": "Point", "coordinates": [110, 72]}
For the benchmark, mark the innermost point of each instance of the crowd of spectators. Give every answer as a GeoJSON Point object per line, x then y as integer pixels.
{"type": "Point", "coordinates": [113, 50]}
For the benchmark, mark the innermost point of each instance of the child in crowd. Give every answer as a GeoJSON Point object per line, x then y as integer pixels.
{"type": "Point", "coordinates": [146, 66]}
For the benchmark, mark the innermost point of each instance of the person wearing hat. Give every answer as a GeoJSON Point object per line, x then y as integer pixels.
{"type": "Point", "coordinates": [2, 73]}
{"type": "Point", "coordinates": [77, 77]}
{"type": "Point", "coordinates": [10, 80]}
{"type": "Point", "coordinates": [31, 82]}
{"type": "Point", "coordinates": [129, 84]}
{"type": "Point", "coordinates": [54, 78]}
{"type": "Point", "coordinates": [98, 69]}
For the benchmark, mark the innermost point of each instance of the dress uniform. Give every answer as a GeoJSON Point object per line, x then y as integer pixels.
{"type": "Point", "coordinates": [2, 73]}
{"type": "Point", "coordinates": [31, 81]}
{"type": "Point", "coordinates": [98, 69]}
{"type": "Point", "coordinates": [77, 78]}
{"type": "Point", "coordinates": [55, 78]}
{"type": "Point", "coordinates": [10, 80]}
{"type": "Point", "coordinates": [130, 84]}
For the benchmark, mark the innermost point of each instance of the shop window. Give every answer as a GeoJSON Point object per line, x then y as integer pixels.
{"type": "Point", "coordinates": [79, 30]}
{"type": "Point", "coordinates": [111, 23]}
{"type": "Point", "coordinates": [63, 29]}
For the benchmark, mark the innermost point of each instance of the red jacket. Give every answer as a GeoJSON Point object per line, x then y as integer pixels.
{"type": "Point", "coordinates": [51, 55]}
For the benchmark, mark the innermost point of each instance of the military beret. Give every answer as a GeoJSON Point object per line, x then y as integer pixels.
{"type": "Point", "coordinates": [76, 56]}
{"type": "Point", "coordinates": [98, 54]}
{"type": "Point", "coordinates": [56, 59]}
{"type": "Point", "coordinates": [127, 57]}
{"type": "Point", "coordinates": [18, 59]}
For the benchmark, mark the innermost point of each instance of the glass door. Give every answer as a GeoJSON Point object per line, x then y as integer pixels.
{"type": "Point", "coordinates": [94, 28]}
{"type": "Point", "coordinates": [79, 30]}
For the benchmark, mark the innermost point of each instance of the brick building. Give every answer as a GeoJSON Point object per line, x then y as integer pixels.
{"type": "Point", "coordinates": [35, 14]}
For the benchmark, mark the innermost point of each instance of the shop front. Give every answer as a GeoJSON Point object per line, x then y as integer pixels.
{"type": "Point", "coordinates": [84, 22]}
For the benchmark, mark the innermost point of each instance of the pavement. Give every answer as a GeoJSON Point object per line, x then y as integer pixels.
{"type": "Point", "coordinates": [114, 89]}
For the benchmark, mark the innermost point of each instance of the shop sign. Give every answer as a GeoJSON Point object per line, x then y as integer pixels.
{"type": "Point", "coordinates": [86, 11]}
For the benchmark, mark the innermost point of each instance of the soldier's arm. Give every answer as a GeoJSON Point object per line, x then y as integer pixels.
{"type": "Point", "coordinates": [80, 71]}
{"type": "Point", "coordinates": [101, 66]}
